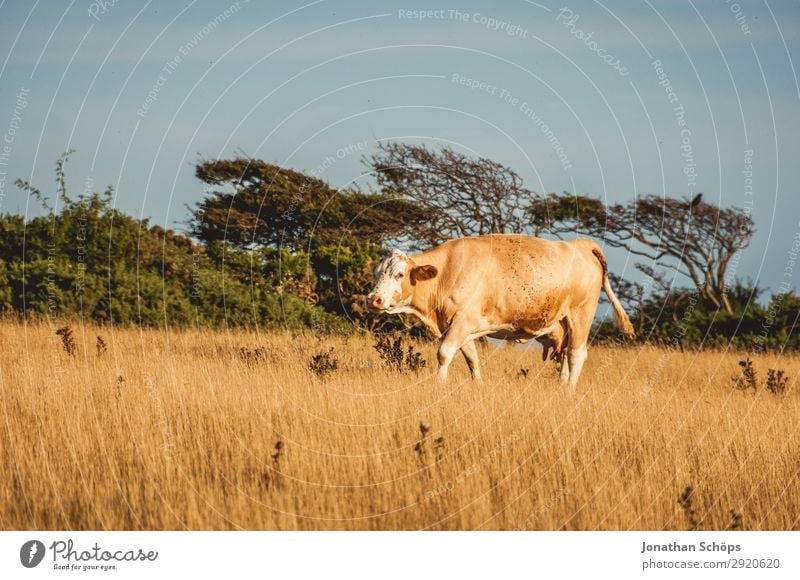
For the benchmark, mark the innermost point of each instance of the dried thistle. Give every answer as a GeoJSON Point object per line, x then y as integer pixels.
{"type": "Point", "coordinates": [273, 475]}
{"type": "Point", "coordinates": [276, 453]}
{"type": "Point", "coordinates": [253, 356]}
{"type": "Point", "coordinates": [685, 501]}
{"type": "Point", "coordinates": [65, 332]}
{"type": "Point", "coordinates": [324, 363]}
{"type": "Point", "coordinates": [397, 358]}
{"type": "Point", "coordinates": [438, 446]}
{"type": "Point", "coordinates": [748, 380]}
{"type": "Point", "coordinates": [424, 428]}
{"type": "Point", "coordinates": [776, 382]}
{"type": "Point", "coordinates": [736, 521]}
{"type": "Point", "coordinates": [419, 449]}
{"type": "Point", "coordinates": [100, 346]}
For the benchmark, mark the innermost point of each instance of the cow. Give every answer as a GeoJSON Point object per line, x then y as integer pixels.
{"type": "Point", "coordinates": [507, 286]}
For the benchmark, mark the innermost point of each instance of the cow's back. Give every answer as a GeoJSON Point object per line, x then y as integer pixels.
{"type": "Point", "coordinates": [516, 278]}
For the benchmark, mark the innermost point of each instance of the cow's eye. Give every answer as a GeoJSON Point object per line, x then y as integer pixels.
{"type": "Point", "coordinates": [398, 276]}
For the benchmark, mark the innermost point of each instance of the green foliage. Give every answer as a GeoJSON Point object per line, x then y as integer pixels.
{"type": "Point", "coordinates": [276, 248]}
{"type": "Point", "coordinates": [682, 318]}
{"type": "Point", "coordinates": [294, 235]}
{"type": "Point", "coordinates": [579, 213]}
{"type": "Point", "coordinates": [256, 204]}
{"type": "Point", "coordinates": [89, 260]}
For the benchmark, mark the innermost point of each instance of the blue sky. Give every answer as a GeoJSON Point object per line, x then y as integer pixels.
{"type": "Point", "coordinates": [312, 86]}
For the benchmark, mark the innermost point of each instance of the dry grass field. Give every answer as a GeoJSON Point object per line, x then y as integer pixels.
{"type": "Point", "coordinates": [180, 430]}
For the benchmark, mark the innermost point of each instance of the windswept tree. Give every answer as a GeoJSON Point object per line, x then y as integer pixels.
{"type": "Point", "coordinates": [461, 195]}
{"type": "Point", "coordinates": [695, 238]}
{"type": "Point", "coordinates": [467, 196]}
{"type": "Point", "coordinates": [309, 239]}
{"type": "Point", "coordinates": [256, 204]}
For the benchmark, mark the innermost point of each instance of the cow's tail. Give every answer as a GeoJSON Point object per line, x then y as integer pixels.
{"type": "Point", "coordinates": [620, 315]}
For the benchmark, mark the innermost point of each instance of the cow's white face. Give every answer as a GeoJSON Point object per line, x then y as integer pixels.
{"type": "Point", "coordinates": [389, 276]}
{"type": "Point", "coordinates": [395, 278]}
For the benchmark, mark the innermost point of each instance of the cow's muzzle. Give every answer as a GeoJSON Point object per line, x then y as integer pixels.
{"type": "Point", "coordinates": [375, 302]}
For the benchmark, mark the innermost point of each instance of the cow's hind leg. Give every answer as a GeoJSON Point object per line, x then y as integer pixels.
{"type": "Point", "coordinates": [470, 352]}
{"type": "Point", "coordinates": [577, 356]}
{"type": "Point", "coordinates": [580, 324]}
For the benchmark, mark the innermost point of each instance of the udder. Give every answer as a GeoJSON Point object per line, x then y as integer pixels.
{"type": "Point", "coordinates": [556, 341]}
{"type": "Point", "coordinates": [515, 335]}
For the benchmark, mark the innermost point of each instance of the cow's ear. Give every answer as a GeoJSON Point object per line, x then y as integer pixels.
{"type": "Point", "coordinates": [423, 273]}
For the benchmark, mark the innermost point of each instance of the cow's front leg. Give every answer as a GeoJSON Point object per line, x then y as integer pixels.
{"type": "Point", "coordinates": [453, 340]}
{"type": "Point", "coordinates": [470, 352]}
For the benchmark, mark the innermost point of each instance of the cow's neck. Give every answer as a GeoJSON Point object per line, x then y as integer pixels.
{"type": "Point", "coordinates": [429, 319]}
{"type": "Point", "coordinates": [427, 304]}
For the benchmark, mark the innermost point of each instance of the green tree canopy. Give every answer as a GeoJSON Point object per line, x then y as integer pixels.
{"type": "Point", "coordinates": [253, 203]}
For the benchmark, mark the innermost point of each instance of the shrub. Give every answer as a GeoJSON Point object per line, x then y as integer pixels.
{"type": "Point", "coordinates": [253, 356]}
{"type": "Point", "coordinates": [324, 363]}
{"type": "Point", "coordinates": [776, 382]}
{"type": "Point", "coordinates": [397, 357]}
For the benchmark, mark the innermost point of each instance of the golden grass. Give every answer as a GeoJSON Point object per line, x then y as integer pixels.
{"type": "Point", "coordinates": [178, 430]}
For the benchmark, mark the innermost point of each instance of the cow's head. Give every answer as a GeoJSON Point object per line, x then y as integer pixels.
{"type": "Point", "coordinates": [396, 276]}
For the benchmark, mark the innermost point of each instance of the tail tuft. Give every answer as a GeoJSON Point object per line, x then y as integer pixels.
{"type": "Point", "coordinates": [620, 315]}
